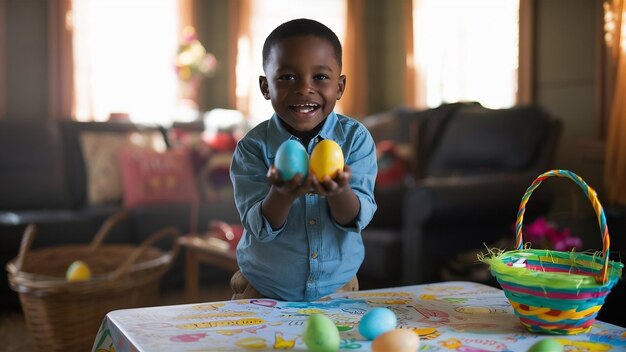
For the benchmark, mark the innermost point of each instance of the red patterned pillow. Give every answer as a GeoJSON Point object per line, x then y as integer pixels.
{"type": "Point", "coordinates": [150, 177]}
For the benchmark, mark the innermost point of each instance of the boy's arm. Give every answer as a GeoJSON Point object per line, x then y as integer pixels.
{"type": "Point", "coordinates": [278, 201]}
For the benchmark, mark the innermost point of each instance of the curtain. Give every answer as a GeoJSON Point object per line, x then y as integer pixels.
{"type": "Point", "coordinates": [615, 39]}
{"type": "Point", "coordinates": [525, 74]}
{"type": "Point", "coordinates": [60, 62]}
{"type": "Point", "coordinates": [239, 34]}
{"type": "Point", "coordinates": [354, 100]}
{"type": "Point", "coordinates": [3, 88]}
{"type": "Point", "coordinates": [410, 96]}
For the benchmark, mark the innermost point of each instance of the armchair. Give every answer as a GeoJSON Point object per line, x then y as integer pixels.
{"type": "Point", "coordinates": [469, 167]}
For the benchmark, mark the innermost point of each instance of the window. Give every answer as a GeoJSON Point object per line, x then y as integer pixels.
{"type": "Point", "coordinates": [267, 15]}
{"type": "Point", "coordinates": [130, 70]}
{"type": "Point", "coordinates": [466, 51]}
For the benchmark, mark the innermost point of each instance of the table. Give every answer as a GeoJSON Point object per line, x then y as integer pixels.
{"type": "Point", "coordinates": [207, 250]}
{"type": "Point", "coordinates": [449, 316]}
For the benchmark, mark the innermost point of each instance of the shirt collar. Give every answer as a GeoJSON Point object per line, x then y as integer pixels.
{"type": "Point", "coordinates": [277, 134]}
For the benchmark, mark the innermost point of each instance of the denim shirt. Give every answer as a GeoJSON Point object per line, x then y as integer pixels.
{"type": "Point", "coordinates": [310, 256]}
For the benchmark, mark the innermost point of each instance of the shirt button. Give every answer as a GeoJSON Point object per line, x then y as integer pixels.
{"type": "Point", "coordinates": [312, 221]}
{"type": "Point", "coordinates": [314, 255]}
{"type": "Point", "coordinates": [317, 139]}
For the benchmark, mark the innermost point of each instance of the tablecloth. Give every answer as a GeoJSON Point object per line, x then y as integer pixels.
{"type": "Point", "coordinates": [448, 316]}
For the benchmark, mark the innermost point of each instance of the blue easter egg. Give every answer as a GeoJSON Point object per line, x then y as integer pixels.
{"type": "Point", "coordinates": [377, 321]}
{"type": "Point", "coordinates": [291, 159]}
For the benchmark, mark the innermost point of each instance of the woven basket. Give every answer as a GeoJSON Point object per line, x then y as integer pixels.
{"type": "Point", "coordinates": [65, 316]}
{"type": "Point", "coordinates": [551, 291]}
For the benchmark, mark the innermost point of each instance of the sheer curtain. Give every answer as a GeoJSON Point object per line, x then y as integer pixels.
{"type": "Point", "coordinates": [455, 60]}
{"type": "Point", "coordinates": [130, 70]}
{"type": "Point", "coordinates": [615, 38]}
{"type": "Point", "coordinates": [61, 59]}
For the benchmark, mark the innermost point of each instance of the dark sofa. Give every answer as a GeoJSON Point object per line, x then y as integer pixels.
{"type": "Point", "coordinates": [43, 181]}
{"type": "Point", "coordinates": [466, 169]}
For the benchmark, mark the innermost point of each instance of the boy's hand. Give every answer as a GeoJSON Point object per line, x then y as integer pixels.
{"type": "Point", "coordinates": [296, 187]}
{"type": "Point", "coordinates": [331, 187]}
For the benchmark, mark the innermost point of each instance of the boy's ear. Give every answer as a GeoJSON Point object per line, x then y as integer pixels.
{"type": "Point", "coordinates": [341, 87]}
{"type": "Point", "coordinates": [265, 89]}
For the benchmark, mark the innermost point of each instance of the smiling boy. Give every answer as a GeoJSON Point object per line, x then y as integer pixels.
{"type": "Point", "coordinates": [301, 238]}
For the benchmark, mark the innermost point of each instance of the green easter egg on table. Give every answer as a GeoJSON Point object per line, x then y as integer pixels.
{"type": "Point", "coordinates": [320, 334]}
{"type": "Point", "coordinates": [547, 345]}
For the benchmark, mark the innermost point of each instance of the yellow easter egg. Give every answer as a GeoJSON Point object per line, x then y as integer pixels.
{"type": "Point", "coordinates": [397, 340]}
{"type": "Point", "coordinates": [326, 159]}
{"type": "Point", "coordinates": [78, 271]}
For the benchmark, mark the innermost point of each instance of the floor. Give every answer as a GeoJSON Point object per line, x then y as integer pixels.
{"type": "Point", "coordinates": [14, 335]}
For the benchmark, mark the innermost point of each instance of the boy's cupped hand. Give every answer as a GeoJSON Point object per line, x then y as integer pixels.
{"type": "Point", "coordinates": [300, 185]}
{"type": "Point", "coordinates": [296, 187]}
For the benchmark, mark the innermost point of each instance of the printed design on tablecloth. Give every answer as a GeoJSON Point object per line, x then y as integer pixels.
{"type": "Point", "coordinates": [187, 337]}
{"type": "Point", "coordinates": [221, 323]}
{"type": "Point", "coordinates": [480, 310]}
{"type": "Point", "coordinates": [610, 337]}
{"type": "Point", "coordinates": [428, 333]}
{"type": "Point", "coordinates": [105, 342]}
{"type": "Point", "coordinates": [281, 343]}
{"type": "Point", "coordinates": [252, 343]}
{"type": "Point", "coordinates": [445, 317]}
{"type": "Point", "coordinates": [451, 300]}
{"type": "Point", "coordinates": [432, 316]}
{"type": "Point", "coordinates": [216, 315]}
{"type": "Point", "coordinates": [570, 345]}
{"type": "Point", "coordinates": [474, 345]}
{"type": "Point", "coordinates": [209, 306]}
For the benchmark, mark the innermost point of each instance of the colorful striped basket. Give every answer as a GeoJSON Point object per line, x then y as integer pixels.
{"type": "Point", "coordinates": [555, 292]}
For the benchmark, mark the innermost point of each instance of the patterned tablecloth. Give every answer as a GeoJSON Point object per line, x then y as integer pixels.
{"type": "Point", "coordinates": [450, 316]}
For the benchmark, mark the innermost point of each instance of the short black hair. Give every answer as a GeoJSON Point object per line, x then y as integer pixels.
{"type": "Point", "coordinates": [301, 27]}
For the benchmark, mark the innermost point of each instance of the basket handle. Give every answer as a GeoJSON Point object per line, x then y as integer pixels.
{"type": "Point", "coordinates": [27, 242]}
{"type": "Point", "coordinates": [155, 237]}
{"type": "Point", "coordinates": [31, 231]}
{"type": "Point", "coordinates": [105, 229]}
{"type": "Point", "coordinates": [602, 277]}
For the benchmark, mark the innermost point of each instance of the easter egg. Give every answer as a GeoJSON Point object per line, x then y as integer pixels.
{"type": "Point", "coordinates": [326, 159]}
{"type": "Point", "coordinates": [377, 321]}
{"type": "Point", "coordinates": [320, 334]}
{"type": "Point", "coordinates": [547, 345]}
{"type": "Point", "coordinates": [78, 271]}
{"type": "Point", "coordinates": [397, 340]}
{"type": "Point", "coordinates": [291, 159]}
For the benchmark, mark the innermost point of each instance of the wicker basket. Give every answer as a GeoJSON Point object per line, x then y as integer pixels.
{"type": "Point", "coordinates": [65, 316]}
{"type": "Point", "coordinates": [551, 291]}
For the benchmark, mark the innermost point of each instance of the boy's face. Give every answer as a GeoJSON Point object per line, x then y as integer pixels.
{"type": "Point", "coordinates": [303, 80]}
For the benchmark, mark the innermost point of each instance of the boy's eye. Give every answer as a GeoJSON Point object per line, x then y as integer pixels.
{"type": "Point", "coordinates": [287, 77]}
{"type": "Point", "coordinates": [320, 77]}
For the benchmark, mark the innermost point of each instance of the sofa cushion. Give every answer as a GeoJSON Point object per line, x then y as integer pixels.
{"type": "Point", "coordinates": [480, 141]}
{"type": "Point", "coordinates": [151, 178]}
{"type": "Point", "coordinates": [31, 166]}
{"type": "Point", "coordinates": [104, 182]}
{"type": "Point", "coordinates": [77, 166]}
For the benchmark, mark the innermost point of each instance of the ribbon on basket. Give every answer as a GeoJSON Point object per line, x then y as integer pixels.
{"type": "Point", "coordinates": [552, 291]}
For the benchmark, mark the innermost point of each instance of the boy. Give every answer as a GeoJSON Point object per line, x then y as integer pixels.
{"type": "Point", "coordinates": [301, 238]}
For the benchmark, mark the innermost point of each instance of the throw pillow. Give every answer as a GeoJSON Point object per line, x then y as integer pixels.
{"type": "Point", "coordinates": [150, 177]}
{"type": "Point", "coordinates": [104, 184]}
{"type": "Point", "coordinates": [392, 164]}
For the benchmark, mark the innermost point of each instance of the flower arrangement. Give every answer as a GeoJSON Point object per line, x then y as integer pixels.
{"type": "Point", "coordinates": [548, 236]}
{"type": "Point", "coordinates": [192, 60]}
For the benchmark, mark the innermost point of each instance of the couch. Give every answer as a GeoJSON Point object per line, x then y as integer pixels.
{"type": "Point", "coordinates": [61, 176]}
{"type": "Point", "coordinates": [463, 170]}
